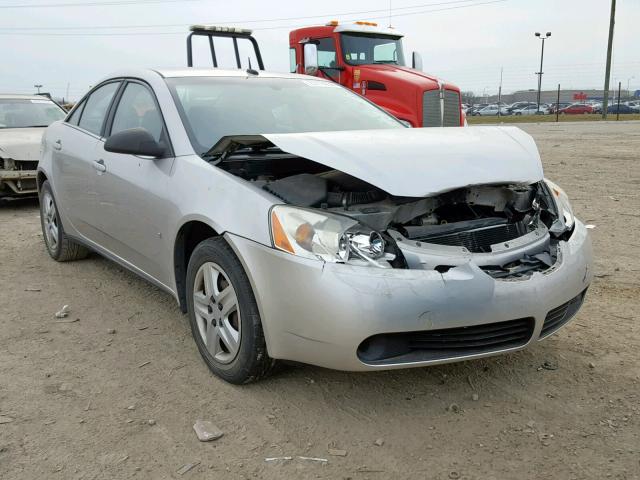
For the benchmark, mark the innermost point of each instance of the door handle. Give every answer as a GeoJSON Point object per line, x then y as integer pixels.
{"type": "Point", "coordinates": [57, 145]}
{"type": "Point", "coordinates": [99, 165]}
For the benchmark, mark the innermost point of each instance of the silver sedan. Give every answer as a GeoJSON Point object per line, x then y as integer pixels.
{"type": "Point", "coordinates": [292, 219]}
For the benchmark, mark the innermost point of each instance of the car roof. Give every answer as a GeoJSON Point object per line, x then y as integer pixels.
{"type": "Point", "coordinates": [153, 74]}
{"type": "Point", "coordinates": [218, 72]}
{"type": "Point", "coordinates": [17, 96]}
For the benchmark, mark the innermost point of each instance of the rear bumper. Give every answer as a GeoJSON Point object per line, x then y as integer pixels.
{"type": "Point", "coordinates": [322, 313]}
{"type": "Point", "coordinates": [18, 182]}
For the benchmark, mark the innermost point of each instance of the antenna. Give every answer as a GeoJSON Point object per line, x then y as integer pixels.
{"type": "Point", "coordinates": [390, 13]}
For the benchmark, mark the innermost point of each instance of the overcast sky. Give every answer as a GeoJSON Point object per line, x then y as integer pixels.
{"type": "Point", "coordinates": [57, 42]}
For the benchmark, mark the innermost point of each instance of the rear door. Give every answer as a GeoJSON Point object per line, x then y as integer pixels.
{"type": "Point", "coordinates": [74, 169]}
{"type": "Point", "coordinates": [132, 192]}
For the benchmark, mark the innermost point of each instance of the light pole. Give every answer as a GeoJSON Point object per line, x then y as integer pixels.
{"type": "Point", "coordinates": [548, 34]}
{"type": "Point", "coordinates": [38, 87]}
{"type": "Point", "coordinates": [628, 83]}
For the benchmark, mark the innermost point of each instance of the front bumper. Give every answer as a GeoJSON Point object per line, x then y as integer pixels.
{"type": "Point", "coordinates": [320, 313]}
{"type": "Point", "coordinates": [18, 182]}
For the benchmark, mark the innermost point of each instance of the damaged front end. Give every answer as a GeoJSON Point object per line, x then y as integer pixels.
{"type": "Point", "coordinates": [509, 230]}
{"type": "Point", "coordinates": [17, 178]}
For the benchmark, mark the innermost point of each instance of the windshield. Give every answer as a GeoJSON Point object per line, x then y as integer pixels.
{"type": "Point", "coordinates": [24, 112]}
{"type": "Point", "coordinates": [363, 48]}
{"type": "Point", "coordinates": [214, 107]}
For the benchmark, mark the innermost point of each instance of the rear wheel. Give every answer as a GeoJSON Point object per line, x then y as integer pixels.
{"type": "Point", "coordinates": [60, 247]}
{"type": "Point", "coordinates": [223, 314]}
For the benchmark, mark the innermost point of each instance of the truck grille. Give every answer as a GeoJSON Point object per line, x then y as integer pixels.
{"type": "Point", "coordinates": [431, 116]}
{"type": "Point", "coordinates": [451, 116]}
{"type": "Point", "coordinates": [446, 343]}
{"type": "Point", "coordinates": [436, 115]}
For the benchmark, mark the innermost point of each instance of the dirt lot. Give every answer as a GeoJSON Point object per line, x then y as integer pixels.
{"type": "Point", "coordinates": [79, 402]}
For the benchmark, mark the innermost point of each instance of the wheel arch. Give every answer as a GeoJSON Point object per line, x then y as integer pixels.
{"type": "Point", "coordinates": [190, 234]}
{"type": "Point", "coordinates": [41, 177]}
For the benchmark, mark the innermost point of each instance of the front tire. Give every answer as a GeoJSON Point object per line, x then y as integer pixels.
{"type": "Point", "coordinates": [223, 314]}
{"type": "Point", "coordinates": [60, 247]}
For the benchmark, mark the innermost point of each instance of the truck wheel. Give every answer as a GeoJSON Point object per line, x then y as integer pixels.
{"type": "Point", "coordinates": [223, 314]}
{"type": "Point", "coordinates": [60, 247]}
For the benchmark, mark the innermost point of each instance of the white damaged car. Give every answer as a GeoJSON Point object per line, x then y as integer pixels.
{"type": "Point", "coordinates": [23, 119]}
{"type": "Point", "coordinates": [293, 219]}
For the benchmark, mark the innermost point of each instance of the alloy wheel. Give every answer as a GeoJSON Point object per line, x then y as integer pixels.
{"type": "Point", "coordinates": [50, 221]}
{"type": "Point", "coordinates": [217, 313]}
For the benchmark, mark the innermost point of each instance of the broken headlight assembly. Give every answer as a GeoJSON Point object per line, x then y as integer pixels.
{"type": "Point", "coordinates": [565, 212]}
{"type": "Point", "coordinates": [327, 237]}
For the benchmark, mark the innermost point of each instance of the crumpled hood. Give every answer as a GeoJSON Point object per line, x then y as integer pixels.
{"type": "Point", "coordinates": [21, 143]}
{"type": "Point", "coordinates": [419, 162]}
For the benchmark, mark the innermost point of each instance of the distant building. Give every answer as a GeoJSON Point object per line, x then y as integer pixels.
{"type": "Point", "coordinates": [550, 96]}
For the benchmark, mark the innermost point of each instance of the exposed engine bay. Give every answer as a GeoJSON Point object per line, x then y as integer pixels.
{"type": "Point", "coordinates": [509, 230]}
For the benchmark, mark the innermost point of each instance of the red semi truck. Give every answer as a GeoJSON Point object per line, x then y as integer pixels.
{"type": "Point", "coordinates": [363, 57]}
{"type": "Point", "coordinates": [369, 60]}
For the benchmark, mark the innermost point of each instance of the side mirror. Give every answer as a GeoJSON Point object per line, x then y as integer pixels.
{"type": "Point", "coordinates": [416, 61]}
{"type": "Point", "coordinates": [134, 141]}
{"type": "Point", "coordinates": [310, 58]}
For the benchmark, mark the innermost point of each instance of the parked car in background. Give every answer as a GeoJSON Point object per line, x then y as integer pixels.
{"type": "Point", "coordinates": [556, 106]}
{"type": "Point", "coordinates": [518, 106]}
{"type": "Point", "coordinates": [23, 118]}
{"type": "Point", "coordinates": [596, 107]}
{"type": "Point", "coordinates": [292, 219]}
{"type": "Point", "coordinates": [634, 104]}
{"type": "Point", "coordinates": [476, 108]}
{"type": "Point", "coordinates": [489, 110]}
{"type": "Point", "coordinates": [622, 108]}
{"type": "Point", "coordinates": [576, 109]}
{"type": "Point", "coordinates": [532, 110]}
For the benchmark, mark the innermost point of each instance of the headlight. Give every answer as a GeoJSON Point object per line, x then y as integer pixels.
{"type": "Point", "coordinates": [325, 236]}
{"type": "Point", "coordinates": [565, 211]}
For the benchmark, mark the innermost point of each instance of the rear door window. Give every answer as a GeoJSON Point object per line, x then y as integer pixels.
{"type": "Point", "coordinates": [96, 107]}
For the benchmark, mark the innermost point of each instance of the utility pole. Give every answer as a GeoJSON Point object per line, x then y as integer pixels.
{"type": "Point", "coordinates": [605, 99]}
{"type": "Point", "coordinates": [540, 72]}
{"type": "Point", "coordinates": [38, 87]}
{"type": "Point", "coordinates": [618, 109]}
{"type": "Point", "coordinates": [500, 92]}
{"type": "Point", "coordinates": [558, 103]}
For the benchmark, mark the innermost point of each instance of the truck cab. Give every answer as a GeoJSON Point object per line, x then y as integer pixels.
{"type": "Point", "coordinates": [370, 60]}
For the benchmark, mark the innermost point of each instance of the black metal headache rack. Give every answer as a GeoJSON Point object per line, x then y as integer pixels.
{"type": "Point", "coordinates": [234, 33]}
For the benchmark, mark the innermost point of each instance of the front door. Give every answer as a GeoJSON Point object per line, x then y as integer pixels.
{"type": "Point", "coordinates": [132, 191]}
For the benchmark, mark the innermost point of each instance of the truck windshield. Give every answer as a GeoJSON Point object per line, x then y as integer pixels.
{"type": "Point", "coordinates": [25, 112]}
{"type": "Point", "coordinates": [214, 107]}
{"type": "Point", "coordinates": [366, 48]}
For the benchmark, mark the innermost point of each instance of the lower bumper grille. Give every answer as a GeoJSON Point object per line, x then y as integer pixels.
{"type": "Point", "coordinates": [446, 343]}
{"type": "Point", "coordinates": [559, 316]}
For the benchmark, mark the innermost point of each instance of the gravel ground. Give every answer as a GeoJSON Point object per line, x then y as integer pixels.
{"type": "Point", "coordinates": [80, 401]}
